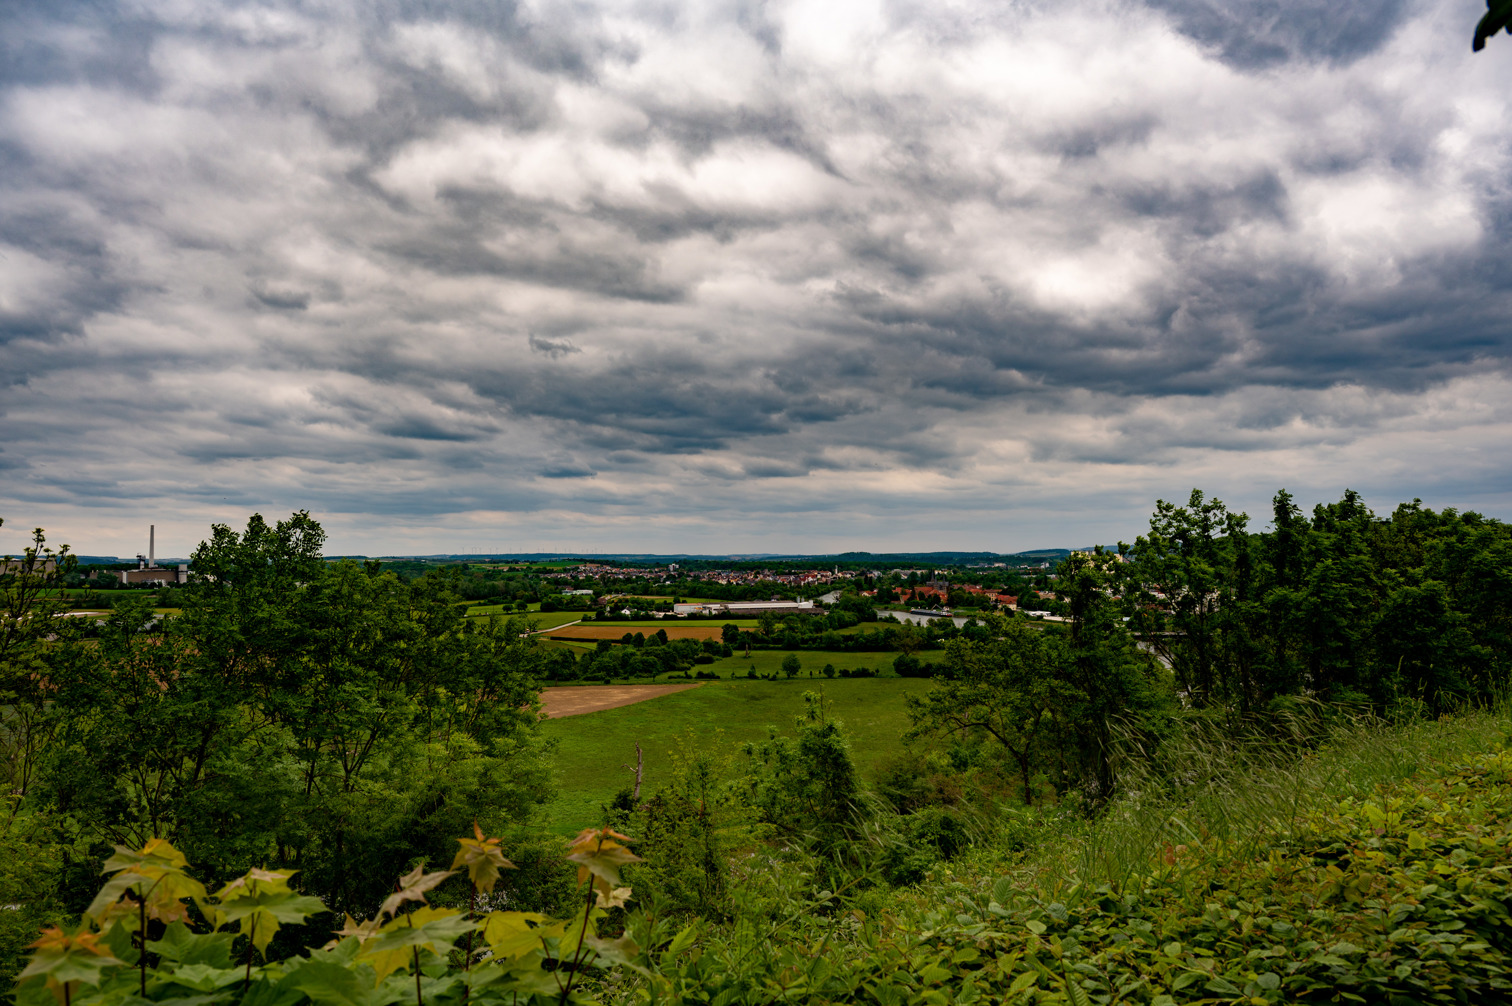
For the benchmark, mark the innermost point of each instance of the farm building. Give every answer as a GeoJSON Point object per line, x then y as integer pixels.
{"type": "Point", "coordinates": [735, 608]}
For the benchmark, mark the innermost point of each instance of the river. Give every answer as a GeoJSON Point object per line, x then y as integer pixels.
{"type": "Point", "coordinates": [908, 616]}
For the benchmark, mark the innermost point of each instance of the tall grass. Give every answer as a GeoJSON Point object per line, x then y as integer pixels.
{"type": "Point", "coordinates": [1215, 788]}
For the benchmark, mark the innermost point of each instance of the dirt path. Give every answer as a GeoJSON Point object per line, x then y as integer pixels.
{"type": "Point", "coordinates": [574, 701]}
{"type": "Point", "coordinates": [542, 632]}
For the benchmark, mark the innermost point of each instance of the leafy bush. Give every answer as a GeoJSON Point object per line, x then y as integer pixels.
{"type": "Point", "coordinates": [926, 837]}
{"type": "Point", "coordinates": [1399, 898]}
{"type": "Point", "coordinates": [908, 666]}
{"type": "Point", "coordinates": [29, 858]}
{"type": "Point", "coordinates": [155, 934]}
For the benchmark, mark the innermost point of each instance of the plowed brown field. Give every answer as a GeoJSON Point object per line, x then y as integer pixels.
{"type": "Point", "coordinates": [558, 702]}
{"type": "Point", "coordinates": [709, 631]}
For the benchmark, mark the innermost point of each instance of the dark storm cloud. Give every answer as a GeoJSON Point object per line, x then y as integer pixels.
{"type": "Point", "coordinates": [1257, 34]}
{"type": "Point", "coordinates": [284, 300]}
{"type": "Point", "coordinates": [556, 349]}
{"type": "Point", "coordinates": [567, 469]}
{"type": "Point", "coordinates": [468, 257]}
{"type": "Point", "coordinates": [60, 268]}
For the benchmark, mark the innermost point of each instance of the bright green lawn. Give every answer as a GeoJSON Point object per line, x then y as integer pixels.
{"type": "Point", "coordinates": [562, 644]}
{"type": "Point", "coordinates": [719, 716]}
{"type": "Point", "coordinates": [547, 620]}
{"type": "Point", "coordinates": [770, 662]}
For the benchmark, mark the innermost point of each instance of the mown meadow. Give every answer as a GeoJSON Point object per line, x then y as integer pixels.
{"type": "Point", "coordinates": [595, 753]}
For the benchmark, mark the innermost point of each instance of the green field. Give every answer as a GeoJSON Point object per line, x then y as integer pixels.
{"type": "Point", "coordinates": [562, 644]}
{"type": "Point", "coordinates": [770, 661]}
{"type": "Point", "coordinates": [546, 620]}
{"type": "Point", "coordinates": [720, 716]}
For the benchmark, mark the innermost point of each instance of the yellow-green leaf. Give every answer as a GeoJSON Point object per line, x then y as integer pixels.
{"type": "Point", "coordinates": [482, 858]}
{"type": "Point", "coordinates": [598, 851]}
{"type": "Point", "coordinates": [426, 928]}
{"type": "Point", "coordinates": [514, 934]}
{"type": "Point", "coordinates": [412, 887]}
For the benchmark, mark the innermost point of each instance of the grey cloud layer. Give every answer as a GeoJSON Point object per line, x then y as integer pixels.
{"type": "Point", "coordinates": [725, 260]}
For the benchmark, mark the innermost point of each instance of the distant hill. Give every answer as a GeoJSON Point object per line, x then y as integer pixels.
{"type": "Point", "coordinates": [952, 558]}
{"type": "Point", "coordinates": [659, 558]}
{"type": "Point", "coordinates": [562, 557]}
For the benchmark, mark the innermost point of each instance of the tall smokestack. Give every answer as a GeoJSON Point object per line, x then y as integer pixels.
{"type": "Point", "coordinates": [152, 546]}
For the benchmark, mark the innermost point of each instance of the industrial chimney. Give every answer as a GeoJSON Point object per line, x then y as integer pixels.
{"type": "Point", "coordinates": [152, 546]}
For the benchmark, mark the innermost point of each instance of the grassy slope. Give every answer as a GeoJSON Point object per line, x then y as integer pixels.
{"type": "Point", "coordinates": [1240, 798]}
{"type": "Point", "coordinates": [720, 716]}
{"type": "Point", "coordinates": [1375, 870]}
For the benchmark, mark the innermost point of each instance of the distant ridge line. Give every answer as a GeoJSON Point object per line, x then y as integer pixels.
{"type": "Point", "coordinates": [656, 557]}
{"type": "Point", "coordinates": [662, 558]}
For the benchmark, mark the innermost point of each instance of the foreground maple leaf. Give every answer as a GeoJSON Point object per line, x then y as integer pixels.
{"type": "Point", "coordinates": [483, 858]}
{"type": "Point", "coordinates": [412, 887]}
{"type": "Point", "coordinates": [598, 851]}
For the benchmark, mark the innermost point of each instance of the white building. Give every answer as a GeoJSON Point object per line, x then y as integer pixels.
{"type": "Point", "coordinates": [738, 608]}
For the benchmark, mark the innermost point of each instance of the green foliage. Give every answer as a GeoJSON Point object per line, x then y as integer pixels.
{"type": "Point", "coordinates": [541, 881]}
{"type": "Point", "coordinates": [925, 837]}
{"type": "Point", "coordinates": [591, 752]}
{"type": "Point", "coordinates": [1047, 701]}
{"type": "Point", "coordinates": [30, 859]}
{"type": "Point", "coordinates": [31, 850]}
{"type": "Point", "coordinates": [1413, 609]}
{"type": "Point", "coordinates": [806, 786]}
{"type": "Point", "coordinates": [30, 603]}
{"type": "Point", "coordinates": [525, 956]}
{"type": "Point", "coordinates": [325, 718]}
{"type": "Point", "coordinates": [310, 729]}
{"type": "Point", "coordinates": [688, 829]}
{"type": "Point", "coordinates": [1398, 897]}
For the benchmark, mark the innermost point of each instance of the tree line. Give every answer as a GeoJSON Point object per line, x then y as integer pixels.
{"type": "Point", "coordinates": [329, 718]}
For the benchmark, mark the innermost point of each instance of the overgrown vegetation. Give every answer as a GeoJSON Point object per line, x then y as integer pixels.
{"type": "Point", "coordinates": [1244, 767]}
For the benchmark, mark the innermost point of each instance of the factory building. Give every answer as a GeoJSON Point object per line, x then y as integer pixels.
{"type": "Point", "coordinates": [743, 608]}
{"type": "Point", "coordinates": [148, 571]}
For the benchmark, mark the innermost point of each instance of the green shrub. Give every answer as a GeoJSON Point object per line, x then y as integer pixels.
{"type": "Point", "coordinates": [156, 934]}
{"type": "Point", "coordinates": [1399, 898]}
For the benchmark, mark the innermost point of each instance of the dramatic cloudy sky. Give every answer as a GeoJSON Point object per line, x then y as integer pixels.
{"type": "Point", "coordinates": [671, 275]}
